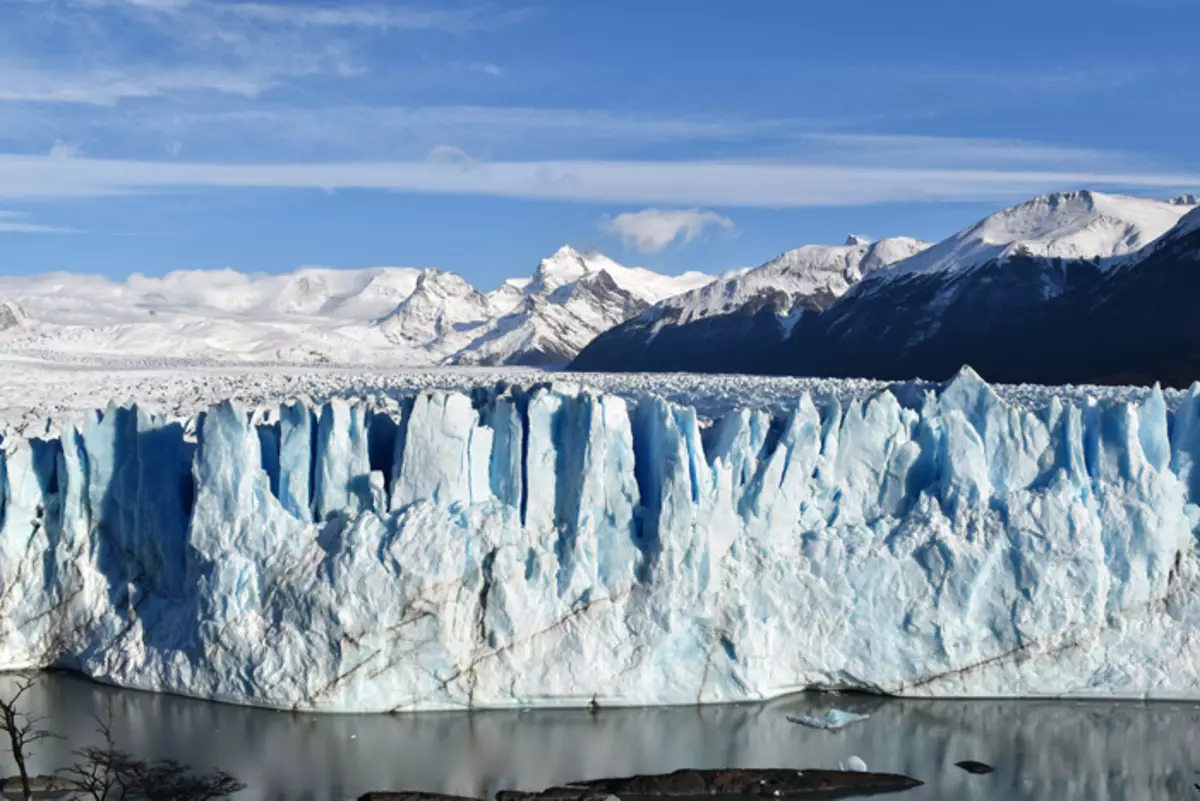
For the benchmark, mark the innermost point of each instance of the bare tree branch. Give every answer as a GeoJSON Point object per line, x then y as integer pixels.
{"type": "Point", "coordinates": [23, 730]}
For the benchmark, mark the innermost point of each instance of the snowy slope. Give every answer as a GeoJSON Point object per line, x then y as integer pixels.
{"type": "Point", "coordinates": [1068, 225]}
{"type": "Point", "coordinates": [545, 546]}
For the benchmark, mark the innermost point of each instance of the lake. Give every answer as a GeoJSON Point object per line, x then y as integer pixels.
{"type": "Point", "coordinates": [1044, 750]}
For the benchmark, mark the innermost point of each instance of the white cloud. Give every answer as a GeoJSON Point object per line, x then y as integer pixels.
{"type": "Point", "coordinates": [12, 222]}
{"type": "Point", "coordinates": [64, 150]}
{"type": "Point", "coordinates": [652, 230]}
{"type": "Point", "coordinates": [494, 70]}
{"type": "Point", "coordinates": [332, 15]}
{"type": "Point", "coordinates": [943, 151]}
{"type": "Point", "coordinates": [703, 183]}
{"type": "Point", "coordinates": [452, 156]}
{"type": "Point", "coordinates": [108, 86]}
{"type": "Point", "coordinates": [351, 15]}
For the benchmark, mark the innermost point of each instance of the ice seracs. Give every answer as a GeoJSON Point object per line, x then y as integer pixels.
{"type": "Point", "coordinates": [547, 546]}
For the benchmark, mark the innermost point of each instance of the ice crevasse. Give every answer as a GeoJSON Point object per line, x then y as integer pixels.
{"type": "Point", "coordinates": [548, 546]}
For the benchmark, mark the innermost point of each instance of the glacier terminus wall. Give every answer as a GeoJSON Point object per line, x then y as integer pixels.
{"type": "Point", "coordinates": [554, 547]}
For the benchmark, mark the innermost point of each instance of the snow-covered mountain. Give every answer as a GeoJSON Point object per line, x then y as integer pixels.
{"type": "Point", "coordinates": [1128, 319]}
{"type": "Point", "coordinates": [572, 298]}
{"type": "Point", "coordinates": [938, 300]}
{"type": "Point", "coordinates": [1068, 225]}
{"type": "Point", "coordinates": [385, 315]}
{"type": "Point", "coordinates": [807, 278]}
{"type": "Point", "coordinates": [811, 276]}
{"type": "Point", "coordinates": [439, 316]}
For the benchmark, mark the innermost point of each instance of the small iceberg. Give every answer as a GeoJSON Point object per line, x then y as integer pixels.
{"type": "Point", "coordinates": [853, 765]}
{"type": "Point", "coordinates": [834, 719]}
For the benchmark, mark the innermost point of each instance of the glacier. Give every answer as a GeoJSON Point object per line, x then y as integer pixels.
{"type": "Point", "coordinates": [553, 546]}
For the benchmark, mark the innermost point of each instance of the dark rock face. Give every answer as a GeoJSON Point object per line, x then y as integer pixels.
{"type": "Point", "coordinates": [772, 783]}
{"type": "Point", "coordinates": [412, 796]}
{"type": "Point", "coordinates": [730, 343]}
{"type": "Point", "coordinates": [1023, 320]}
{"type": "Point", "coordinates": [971, 766]}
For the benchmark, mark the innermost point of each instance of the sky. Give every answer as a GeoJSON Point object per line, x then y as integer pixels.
{"type": "Point", "coordinates": [154, 135]}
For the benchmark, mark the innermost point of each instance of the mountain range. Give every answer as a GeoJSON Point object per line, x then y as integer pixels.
{"type": "Point", "coordinates": [1041, 292]}
{"type": "Point", "coordinates": [385, 315]}
{"type": "Point", "coordinates": [1069, 287]}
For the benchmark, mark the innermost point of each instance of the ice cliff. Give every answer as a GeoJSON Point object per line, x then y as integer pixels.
{"type": "Point", "coordinates": [553, 547]}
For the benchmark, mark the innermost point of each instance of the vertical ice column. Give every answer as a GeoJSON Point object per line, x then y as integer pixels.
{"type": "Point", "coordinates": [447, 455]}
{"type": "Point", "coordinates": [110, 446]}
{"type": "Point", "coordinates": [508, 432]}
{"type": "Point", "coordinates": [296, 432]}
{"type": "Point", "coordinates": [1185, 442]}
{"type": "Point", "coordinates": [30, 591]}
{"type": "Point", "coordinates": [343, 463]}
{"type": "Point", "coordinates": [240, 534]}
{"type": "Point", "coordinates": [581, 486]}
{"type": "Point", "coordinates": [163, 494]}
{"type": "Point", "coordinates": [677, 495]}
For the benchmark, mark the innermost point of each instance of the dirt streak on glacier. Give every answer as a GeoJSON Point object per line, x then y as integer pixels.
{"type": "Point", "coordinates": [552, 546]}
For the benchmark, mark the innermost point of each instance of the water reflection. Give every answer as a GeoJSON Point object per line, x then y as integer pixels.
{"type": "Point", "coordinates": [1058, 750]}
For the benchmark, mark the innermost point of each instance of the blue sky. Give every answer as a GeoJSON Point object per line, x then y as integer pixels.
{"type": "Point", "coordinates": [151, 135]}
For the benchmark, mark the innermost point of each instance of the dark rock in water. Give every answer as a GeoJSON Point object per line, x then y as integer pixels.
{"type": "Point", "coordinates": [552, 794]}
{"type": "Point", "coordinates": [773, 782]}
{"type": "Point", "coordinates": [971, 766]}
{"type": "Point", "coordinates": [412, 795]}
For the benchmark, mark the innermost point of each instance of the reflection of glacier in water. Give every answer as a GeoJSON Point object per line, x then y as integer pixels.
{"type": "Point", "coordinates": [1042, 750]}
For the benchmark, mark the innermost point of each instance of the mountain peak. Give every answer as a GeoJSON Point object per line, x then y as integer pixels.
{"type": "Point", "coordinates": [1185, 200]}
{"type": "Point", "coordinates": [12, 316]}
{"type": "Point", "coordinates": [857, 240]}
{"type": "Point", "coordinates": [567, 252]}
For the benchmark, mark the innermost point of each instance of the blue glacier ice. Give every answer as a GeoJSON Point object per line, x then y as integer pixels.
{"type": "Point", "coordinates": [552, 546]}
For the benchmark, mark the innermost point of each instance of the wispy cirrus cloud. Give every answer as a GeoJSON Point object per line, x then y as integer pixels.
{"type": "Point", "coordinates": [653, 230]}
{"type": "Point", "coordinates": [400, 16]}
{"type": "Point", "coordinates": [702, 183]}
{"type": "Point", "coordinates": [12, 222]}
{"type": "Point", "coordinates": [106, 51]}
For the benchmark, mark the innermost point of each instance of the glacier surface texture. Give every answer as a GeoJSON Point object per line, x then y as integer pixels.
{"type": "Point", "coordinates": [547, 546]}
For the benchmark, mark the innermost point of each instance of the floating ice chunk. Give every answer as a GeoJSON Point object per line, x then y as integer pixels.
{"type": "Point", "coordinates": [830, 721]}
{"type": "Point", "coordinates": [853, 764]}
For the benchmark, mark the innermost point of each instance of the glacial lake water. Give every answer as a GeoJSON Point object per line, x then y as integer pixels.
{"type": "Point", "coordinates": [1044, 750]}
